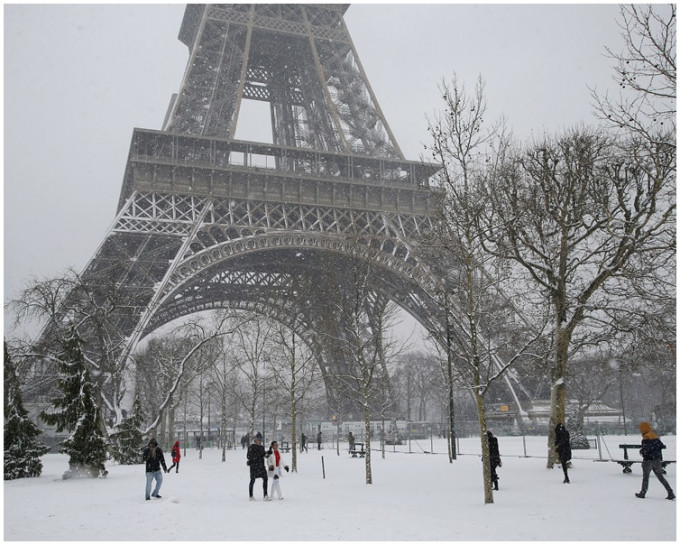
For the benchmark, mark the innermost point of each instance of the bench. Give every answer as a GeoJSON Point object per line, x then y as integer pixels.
{"type": "Point", "coordinates": [357, 449]}
{"type": "Point", "coordinates": [285, 446]}
{"type": "Point", "coordinates": [627, 464]}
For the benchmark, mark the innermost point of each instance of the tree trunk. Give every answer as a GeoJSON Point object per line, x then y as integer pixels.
{"type": "Point", "coordinates": [223, 426]}
{"type": "Point", "coordinates": [558, 394]}
{"type": "Point", "coordinates": [293, 406]}
{"type": "Point", "coordinates": [382, 436]}
{"type": "Point", "coordinates": [171, 427]}
{"type": "Point", "coordinates": [184, 424]}
{"type": "Point", "coordinates": [486, 463]}
{"type": "Point", "coordinates": [293, 439]}
{"type": "Point", "coordinates": [449, 379]}
{"type": "Point", "coordinates": [367, 440]}
{"type": "Point", "coordinates": [200, 422]}
{"type": "Point", "coordinates": [161, 434]}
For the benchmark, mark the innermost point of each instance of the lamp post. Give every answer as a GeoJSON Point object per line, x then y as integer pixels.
{"type": "Point", "coordinates": [623, 410]}
{"type": "Point", "coordinates": [614, 364]}
{"type": "Point", "coordinates": [449, 362]}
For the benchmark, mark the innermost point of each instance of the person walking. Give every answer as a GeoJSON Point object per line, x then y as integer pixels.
{"type": "Point", "coordinates": [350, 438]}
{"type": "Point", "coordinates": [256, 455]}
{"type": "Point", "coordinates": [651, 460]}
{"type": "Point", "coordinates": [494, 458]}
{"type": "Point", "coordinates": [176, 455]}
{"type": "Point", "coordinates": [154, 459]}
{"type": "Point", "coordinates": [274, 469]}
{"type": "Point", "coordinates": [319, 440]}
{"type": "Point", "coordinates": [563, 448]}
{"type": "Point", "coordinates": [303, 443]}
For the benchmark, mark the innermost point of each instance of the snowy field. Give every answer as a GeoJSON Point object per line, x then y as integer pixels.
{"type": "Point", "coordinates": [414, 497]}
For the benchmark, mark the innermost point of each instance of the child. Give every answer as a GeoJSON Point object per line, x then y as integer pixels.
{"type": "Point", "coordinates": [275, 465]}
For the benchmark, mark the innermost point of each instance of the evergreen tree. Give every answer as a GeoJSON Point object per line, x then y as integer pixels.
{"type": "Point", "coordinates": [78, 412]}
{"type": "Point", "coordinates": [22, 449]}
{"type": "Point", "coordinates": [128, 442]}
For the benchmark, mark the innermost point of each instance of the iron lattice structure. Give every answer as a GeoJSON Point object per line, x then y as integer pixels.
{"type": "Point", "coordinates": [205, 220]}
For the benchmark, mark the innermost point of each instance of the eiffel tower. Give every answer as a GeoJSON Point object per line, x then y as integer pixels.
{"type": "Point", "coordinates": [206, 221]}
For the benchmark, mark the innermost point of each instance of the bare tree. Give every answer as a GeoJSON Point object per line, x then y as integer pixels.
{"type": "Point", "coordinates": [647, 353]}
{"type": "Point", "coordinates": [223, 378]}
{"type": "Point", "coordinates": [157, 365]}
{"type": "Point", "coordinates": [201, 388]}
{"type": "Point", "coordinates": [574, 211]}
{"type": "Point", "coordinates": [96, 310]}
{"type": "Point", "coordinates": [254, 352]}
{"type": "Point", "coordinates": [297, 373]}
{"type": "Point", "coordinates": [590, 379]}
{"type": "Point", "coordinates": [177, 367]}
{"type": "Point", "coordinates": [644, 72]}
{"type": "Point", "coordinates": [485, 333]}
{"type": "Point", "coordinates": [418, 375]}
{"type": "Point", "coordinates": [365, 343]}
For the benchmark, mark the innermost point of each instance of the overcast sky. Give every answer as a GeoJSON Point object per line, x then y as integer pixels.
{"type": "Point", "coordinates": [79, 78]}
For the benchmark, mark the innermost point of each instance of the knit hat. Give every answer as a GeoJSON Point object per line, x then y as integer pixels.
{"type": "Point", "coordinates": [258, 435]}
{"type": "Point", "coordinates": [153, 442]}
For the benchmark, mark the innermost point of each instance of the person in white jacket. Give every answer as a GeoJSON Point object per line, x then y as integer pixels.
{"type": "Point", "coordinates": [274, 469]}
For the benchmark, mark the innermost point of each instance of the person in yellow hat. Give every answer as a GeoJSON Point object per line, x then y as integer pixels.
{"type": "Point", "coordinates": [651, 460]}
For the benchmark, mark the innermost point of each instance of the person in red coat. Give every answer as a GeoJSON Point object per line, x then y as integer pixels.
{"type": "Point", "coordinates": [175, 457]}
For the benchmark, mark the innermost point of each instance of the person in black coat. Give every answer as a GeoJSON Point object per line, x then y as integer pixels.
{"type": "Point", "coordinates": [154, 459]}
{"type": "Point", "coordinates": [651, 460]}
{"type": "Point", "coordinates": [563, 448]}
{"type": "Point", "coordinates": [494, 458]}
{"type": "Point", "coordinates": [256, 455]}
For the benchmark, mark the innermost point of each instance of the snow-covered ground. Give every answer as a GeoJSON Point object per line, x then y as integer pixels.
{"type": "Point", "coordinates": [414, 496]}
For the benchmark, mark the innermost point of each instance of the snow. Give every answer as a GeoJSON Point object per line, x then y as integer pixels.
{"type": "Point", "coordinates": [414, 496]}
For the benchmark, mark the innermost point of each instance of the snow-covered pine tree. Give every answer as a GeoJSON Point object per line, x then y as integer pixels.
{"type": "Point", "coordinates": [22, 449]}
{"type": "Point", "coordinates": [78, 412]}
{"type": "Point", "coordinates": [128, 442]}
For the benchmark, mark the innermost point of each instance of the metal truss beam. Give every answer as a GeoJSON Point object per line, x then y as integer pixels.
{"type": "Point", "coordinates": [206, 221]}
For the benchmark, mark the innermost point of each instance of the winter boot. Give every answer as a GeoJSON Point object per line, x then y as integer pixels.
{"type": "Point", "coordinates": [670, 496]}
{"type": "Point", "coordinates": [639, 494]}
{"type": "Point", "coordinates": [495, 485]}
